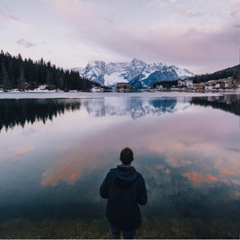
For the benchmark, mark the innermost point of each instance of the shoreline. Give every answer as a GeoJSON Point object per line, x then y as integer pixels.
{"type": "Point", "coordinates": [153, 228]}
{"type": "Point", "coordinates": [86, 95]}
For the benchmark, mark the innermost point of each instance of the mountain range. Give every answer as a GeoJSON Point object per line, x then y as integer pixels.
{"type": "Point", "coordinates": [137, 72]}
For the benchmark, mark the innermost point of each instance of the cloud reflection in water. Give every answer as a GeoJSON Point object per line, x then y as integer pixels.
{"type": "Point", "coordinates": [193, 138]}
{"type": "Point", "coordinates": [188, 154]}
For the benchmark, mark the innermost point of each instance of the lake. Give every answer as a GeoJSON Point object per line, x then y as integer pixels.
{"type": "Point", "coordinates": [56, 149]}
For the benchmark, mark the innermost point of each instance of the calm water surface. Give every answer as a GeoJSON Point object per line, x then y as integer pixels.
{"type": "Point", "coordinates": [56, 152]}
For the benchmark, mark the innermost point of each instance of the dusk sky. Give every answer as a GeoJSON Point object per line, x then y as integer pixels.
{"type": "Point", "coordinates": [200, 35]}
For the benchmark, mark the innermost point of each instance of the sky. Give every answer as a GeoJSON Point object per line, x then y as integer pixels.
{"type": "Point", "coordinates": [200, 35]}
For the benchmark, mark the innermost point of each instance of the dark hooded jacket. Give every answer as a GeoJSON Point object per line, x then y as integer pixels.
{"type": "Point", "coordinates": [124, 188]}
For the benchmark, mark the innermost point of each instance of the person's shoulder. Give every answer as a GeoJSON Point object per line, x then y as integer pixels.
{"type": "Point", "coordinates": [138, 174]}
{"type": "Point", "coordinates": [136, 170]}
{"type": "Point", "coordinates": [111, 171]}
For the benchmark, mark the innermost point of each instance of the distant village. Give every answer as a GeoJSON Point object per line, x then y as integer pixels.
{"type": "Point", "coordinates": [225, 84]}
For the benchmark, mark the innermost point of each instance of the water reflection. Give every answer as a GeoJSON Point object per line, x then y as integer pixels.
{"type": "Point", "coordinates": [228, 103]}
{"type": "Point", "coordinates": [134, 107]}
{"type": "Point", "coordinates": [19, 111]}
{"type": "Point", "coordinates": [188, 154]}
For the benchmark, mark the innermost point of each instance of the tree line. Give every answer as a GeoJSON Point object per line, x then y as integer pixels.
{"type": "Point", "coordinates": [26, 74]}
{"type": "Point", "coordinates": [225, 73]}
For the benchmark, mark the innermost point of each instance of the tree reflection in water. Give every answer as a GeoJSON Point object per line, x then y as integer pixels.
{"type": "Point", "coordinates": [21, 111]}
{"type": "Point", "coordinates": [228, 103]}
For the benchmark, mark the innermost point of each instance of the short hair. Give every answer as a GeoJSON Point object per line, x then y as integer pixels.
{"type": "Point", "coordinates": [126, 156]}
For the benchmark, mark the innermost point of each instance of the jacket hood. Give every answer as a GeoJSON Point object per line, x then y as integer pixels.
{"type": "Point", "coordinates": [125, 176]}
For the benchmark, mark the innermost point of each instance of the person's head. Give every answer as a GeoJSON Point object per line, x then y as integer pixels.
{"type": "Point", "coordinates": [126, 156]}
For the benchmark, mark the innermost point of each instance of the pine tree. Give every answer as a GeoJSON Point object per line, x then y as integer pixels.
{"type": "Point", "coordinates": [35, 75]}
{"type": "Point", "coordinates": [49, 80]}
{"type": "Point", "coordinates": [5, 79]}
{"type": "Point", "coordinates": [21, 80]}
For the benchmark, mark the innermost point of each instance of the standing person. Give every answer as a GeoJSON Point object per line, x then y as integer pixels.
{"type": "Point", "coordinates": [124, 188]}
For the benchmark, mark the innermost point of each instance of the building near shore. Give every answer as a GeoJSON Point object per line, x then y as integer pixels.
{"type": "Point", "coordinates": [186, 83]}
{"type": "Point", "coordinates": [123, 87]}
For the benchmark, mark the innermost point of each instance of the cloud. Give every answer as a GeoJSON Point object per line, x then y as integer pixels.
{"type": "Point", "coordinates": [25, 43]}
{"type": "Point", "coordinates": [190, 13]}
{"type": "Point", "coordinates": [161, 3]}
{"type": "Point", "coordinates": [10, 18]}
{"type": "Point", "coordinates": [191, 34]}
{"type": "Point", "coordinates": [77, 9]}
{"type": "Point", "coordinates": [199, 177]}
{"type": "Point", "coordinates": [1, 13]}
{"type": "Point", "coordinates": [235, 9]}
{"type": "Point", "coordinates": [24, 149]}
{"type": "Point", "coordinates": [14, 18]}
{"type": "Point", "coordinates": [162, 39]}
{"type": "Point", "coordinates": [227, 171]}
{"type": "Point", "coordinates": [67, 170]}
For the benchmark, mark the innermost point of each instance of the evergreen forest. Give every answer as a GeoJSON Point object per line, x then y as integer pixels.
{"type": "Point", "coordinates": [225, 73]}
{"type": "Point", "coordinates": [26, 74]}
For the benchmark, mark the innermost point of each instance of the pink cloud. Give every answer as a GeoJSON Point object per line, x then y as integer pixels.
{"type": "Point", "coordinates": [199, 177]}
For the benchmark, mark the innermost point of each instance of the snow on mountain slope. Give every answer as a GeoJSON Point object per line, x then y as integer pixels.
{"type": "Point", "coordinates": [112, 79]}
{"type": "Point", "coordinates": [182, 73]}
{"type": "Point", "coordinates": [137, 73]}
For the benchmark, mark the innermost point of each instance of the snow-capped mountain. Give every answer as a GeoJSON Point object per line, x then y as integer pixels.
{"type": "Point", "coordinates": [137, 73]}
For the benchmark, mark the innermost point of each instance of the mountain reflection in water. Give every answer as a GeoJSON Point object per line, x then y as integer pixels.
{"type": "Point", "coordinates": [19, 111]}
{"type": "Point", "coordinates": [186, 148]}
